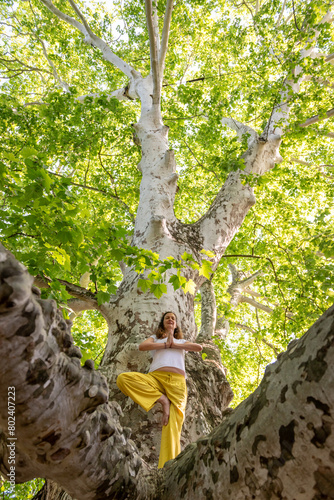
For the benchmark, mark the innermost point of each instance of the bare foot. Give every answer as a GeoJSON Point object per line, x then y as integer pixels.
{"type": "Point", "coordinates": [165, 403]}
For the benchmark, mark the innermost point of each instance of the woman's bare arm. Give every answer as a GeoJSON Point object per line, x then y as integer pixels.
{"type": "Point", "coordinates": [188, 346]}
{"type": "Point", "coordinates": [150, 345]}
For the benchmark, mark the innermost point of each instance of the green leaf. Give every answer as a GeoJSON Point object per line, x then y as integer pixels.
{"type": "Point", "coordinates": [117, 254]}
{"type": "Point", "coordinates": [206, 269]}
{"type": "Point", "coordinates": [158, 289]}
{"type": "Point", "coordinates": [175, 281]}
{"type": "Point", "coordinates": [189, 286]}
{"type": "Point", "coordinates": [144, 285]}
{"type": "Point", "coordinates": [210, 254]}
{"type": "Point", "coordinates": [47, 181]}
{"type": "Point", "coordinates": [10, 156]}
{"type": "Point", "coordinates": [102, 297]}
{"type": "Point", "coordinates": [187, 257]}
{"type": "Point", "coordinates": [27, 152]}
{"type": "Point", "coordinates": [64, 236]}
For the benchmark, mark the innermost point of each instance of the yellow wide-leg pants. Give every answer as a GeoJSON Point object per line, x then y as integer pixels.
{"type": "Point", "coordinates": [145, 390]}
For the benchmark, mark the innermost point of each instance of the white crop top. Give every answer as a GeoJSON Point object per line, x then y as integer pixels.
{"type": "Point", "coordinates": [167, 357]}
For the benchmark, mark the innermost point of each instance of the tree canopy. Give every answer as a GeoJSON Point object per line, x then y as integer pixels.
{"type": "Point", "coordinates": [69, 156]}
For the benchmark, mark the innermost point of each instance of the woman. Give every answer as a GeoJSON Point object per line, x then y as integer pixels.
{"type": "Point", "coordinates": [164, 384]}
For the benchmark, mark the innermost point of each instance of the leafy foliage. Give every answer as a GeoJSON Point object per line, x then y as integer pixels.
{"type": "Point", "coordinates": [24, 491]}
{"type": "Point", "coordinates": [68, 176]}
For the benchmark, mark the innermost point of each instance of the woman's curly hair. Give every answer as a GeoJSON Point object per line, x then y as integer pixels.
{"type": "Point", "coordinates": [160, 330]}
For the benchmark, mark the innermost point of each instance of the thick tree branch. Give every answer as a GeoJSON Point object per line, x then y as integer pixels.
{"type": "Point", "coordinates": [241, 129]}
{"type": "Point", "coordinates": [92, 39]}
{"type": "Point", "coordinates": [81, 17]}
{"type": "Point", "coordinates": [263, 152]}
{"type": "Point", "coordinates": [238, 286]}
{"type": "Point", "coordinates": [75, 290]}
{"type": "Point", "coordinates": [229, 208]}
{"type": "Point", "coordinates": [279, 119]}
{"type": "Point", "coordinates": [243, 284]}
{"type": "Point", "coordinates": [317, 118]}
{"type": "Point", "coordinates": [153, 51]}
{"type": "Point", "coordinates": [256, 304]}
{"type": "Point", "coordinates": [79, 305]}
{"type": "Point", "coordinates": [208, 311]}
{"type": "Point", "coordinates": [156, 26]}
{"type": "Point", "coordinates": [65, 17]}
{"type": "Point", "coordinates": [165, 35]}
{"type": "Point", "coordinates": [263, 448]}
{"type": "Point", "coordinates": [84, 450]}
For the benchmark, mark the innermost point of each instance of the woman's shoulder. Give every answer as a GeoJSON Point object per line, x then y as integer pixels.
{"type": "Point", "coordinates": [156, 339]}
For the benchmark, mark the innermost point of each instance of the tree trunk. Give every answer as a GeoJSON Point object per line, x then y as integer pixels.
{"type": "Point", "coordinates": [276, 444]}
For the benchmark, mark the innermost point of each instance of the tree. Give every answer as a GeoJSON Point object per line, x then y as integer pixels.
{"type": "Point", "coordinates": [62, 141]}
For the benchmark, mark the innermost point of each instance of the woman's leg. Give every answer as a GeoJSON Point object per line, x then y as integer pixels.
{"type": "Point", "coordinates": [143, 389]}
{"type": "Point", "coordinates": [170, 437]}
{"type": "Point", "coordinates": [165, 403]}
{"type": "Point", "coordinates": [170, 390]}
{"type": "Point", "coordinates": [176, 392]}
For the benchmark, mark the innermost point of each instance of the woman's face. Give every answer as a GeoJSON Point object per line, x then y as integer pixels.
{"type": "Point", "coordinates": [169, 321]}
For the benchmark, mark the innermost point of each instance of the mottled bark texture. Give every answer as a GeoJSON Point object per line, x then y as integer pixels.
{"type": "Point", "coordinates": [65, 428]}
{"type": "Point", "coordinates": [277, 444]}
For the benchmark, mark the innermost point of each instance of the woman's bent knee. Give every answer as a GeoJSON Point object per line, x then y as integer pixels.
{"type": "Point", "coordinates": [120, 380]}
